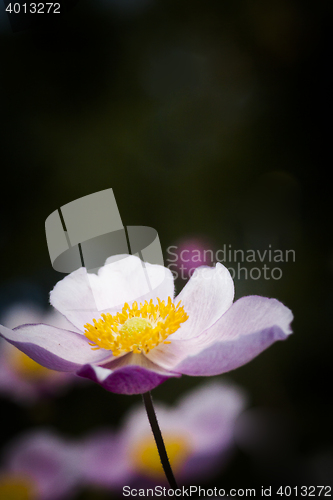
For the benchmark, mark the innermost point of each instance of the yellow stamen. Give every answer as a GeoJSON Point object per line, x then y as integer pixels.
{"type": "Point", "coordinates": [145, 456]}
{"type": "Point", "coordinates": [136, 329]}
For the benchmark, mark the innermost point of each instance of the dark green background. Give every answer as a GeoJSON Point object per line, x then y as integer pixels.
{"type": "Point", "coordinates": [208, 119]}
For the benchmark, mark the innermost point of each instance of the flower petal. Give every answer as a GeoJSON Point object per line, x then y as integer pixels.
{"type": "Point", "coordinates": [83, 296]}
{"type": "Point", "coordinates": [202, 423]}
{"type": "Point", "coordinates": [103, 460]}
{"type": "Point", "coordinates": [210, 411]}
{"type": "Point", "coordinates": [250, 325]}
{"type": "Point", "coordinates": [24, 313]}
{"type": "Point", "coordinates": [50, 462]}
{"type": "Point", "coordinates": [129, 379]}
{"type": "Point", "coordinates": [52, 347]}
{"type": "Point", "coordinates": [207, 295]}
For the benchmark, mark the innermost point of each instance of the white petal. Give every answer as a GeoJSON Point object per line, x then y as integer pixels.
{"type": "Point", "coordinates": [128, 280]}
{"type": "Point", "coordinates": [73, 298]}
{"type": "Point", "coordinates": [207, 295]}
{"type": "Point", "coordinates": [82, 296]}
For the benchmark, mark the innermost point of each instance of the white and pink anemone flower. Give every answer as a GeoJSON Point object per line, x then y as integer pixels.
{"type": "Point", "coordinates": [216, 335]}
{"type": "Point", "coordinates": [40, 466]}
{"type": "Point", "coordinates": [198, 433]}
{"type": "Point", "coordinates": [21, 378]}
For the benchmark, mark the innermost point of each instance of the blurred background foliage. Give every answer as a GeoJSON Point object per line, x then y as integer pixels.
{"type": "Point", "coordinates": [210, 120]}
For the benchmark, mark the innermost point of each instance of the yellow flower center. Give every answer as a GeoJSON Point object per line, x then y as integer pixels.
{"type": "Point", "coordinates": [146, 460]}
{"type": "Point", "coordinates": [136, 329]}
{"type": "Point", "coordinates": [17, 488]}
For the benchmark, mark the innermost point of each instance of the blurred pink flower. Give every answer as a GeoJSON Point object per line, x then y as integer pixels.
{"type": "Point", "coordinates": [198, 434]}
{"type": "Point", "coordinates": [131, 349]}
{"type": "Point", "coordinates": [39, 466]}
{"type": "Point", "coordinates": [189, 254]}
{"type": "Point", "coordinates": [21, 378]}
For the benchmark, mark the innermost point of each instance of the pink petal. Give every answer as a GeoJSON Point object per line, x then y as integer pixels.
{"type": "Point", "coordinates": [103, 460]}
{"type": "Point", "coordinates": [129, 379]}
{"type": "Point", "coordinates": [24, 389]}
{"type": "Point", "coordinates": [82, 296]}
{"type": "Point", "coordinates": [210, 411]}
{"type": "Point", "coordinates": [49, 461]}
{"type": "Point", "coordinates": [52, 347]}
{"type": "Point", "coordinates": [208, 294]}
{"type": "Point", "coordinates": [250, 326]}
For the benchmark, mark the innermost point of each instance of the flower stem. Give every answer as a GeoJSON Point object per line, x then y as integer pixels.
{"type": "Point", "coordinates": [147, 399]}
